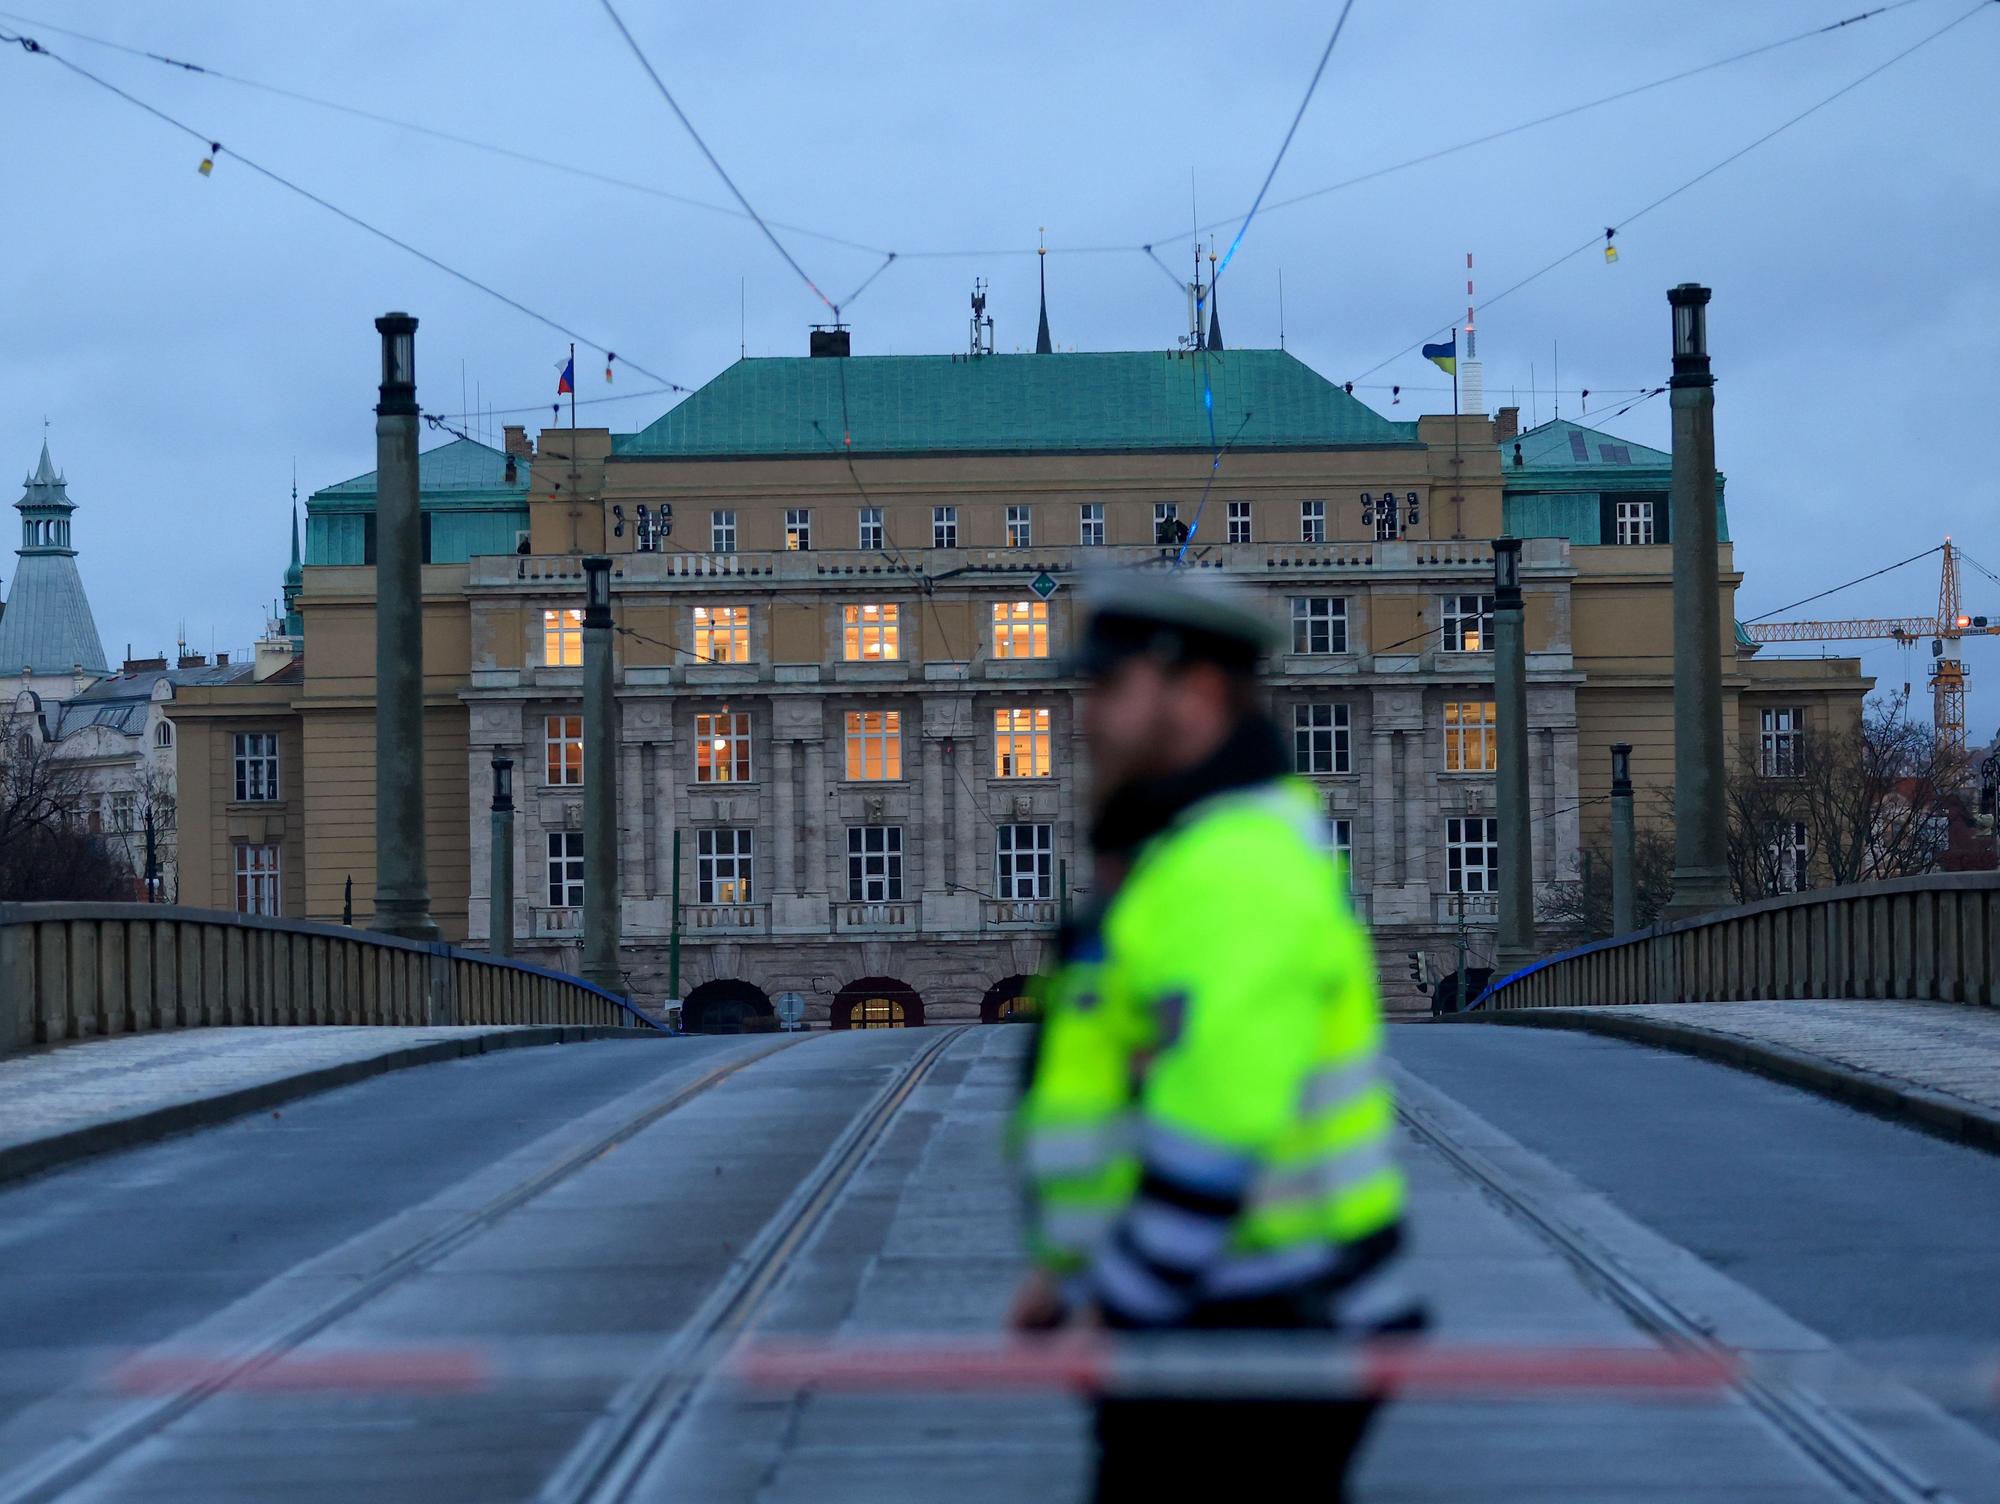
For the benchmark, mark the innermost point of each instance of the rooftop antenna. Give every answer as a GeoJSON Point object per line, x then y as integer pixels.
{"type": "Point", "coordinates": [1557, 385]}
{"type": "Point", "coordinates": [982, 322]}
{"type": "Point", "coordinates": [1281, 308]}
{"type": "Point", "coordinates": [742, 318]}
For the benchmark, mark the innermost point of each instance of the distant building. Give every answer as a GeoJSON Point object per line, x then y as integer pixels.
{"type": "Point", "coordinates": [48, 637]}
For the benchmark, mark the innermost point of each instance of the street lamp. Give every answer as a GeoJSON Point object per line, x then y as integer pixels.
{"type": "Point", "coordinates": [1690, 304]}
{"type": "Point", "coordinates": [597, 591]}
{"type": "Point", "coordinates": [1506, 574]}
{"type": "Point", "coordinates": [399, 363]}
{"type": "Point", "coordinates": [503, 784]}
{"type": "Point", "coordinates": [500, 885]}
{"type": "Point", "coordinates": [1621, 769]}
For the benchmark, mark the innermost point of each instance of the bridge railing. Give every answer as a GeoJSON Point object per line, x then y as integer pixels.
{"type": "Point", "coordinates": [1934, 937]}
{"type": "Point", "coordinates": [77, 971]}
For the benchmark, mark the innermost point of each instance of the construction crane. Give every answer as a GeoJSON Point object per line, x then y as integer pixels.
{"type": "Point", "coordinates": [1947, 681]}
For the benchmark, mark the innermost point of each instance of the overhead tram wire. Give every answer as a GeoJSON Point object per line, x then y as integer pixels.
{"type": "Point", "coordinates": [1861, 579]}
{"type": "Point", "coordinates": [33, 47]}
{"type": "Point", "coordinates": [1564, 114]}
{"type": "Point", "coordinates": [1597, 239]}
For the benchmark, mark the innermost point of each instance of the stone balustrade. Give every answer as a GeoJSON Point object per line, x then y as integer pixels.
{"type": "Point", "coordinates": [1934, 937]}
{"type": "Point", "coordinates": [77, 971]}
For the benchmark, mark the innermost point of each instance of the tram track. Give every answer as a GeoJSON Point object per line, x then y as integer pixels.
{"type": "Point", "coordinates": [1844, 1452]}
{"type": "Point", "coordinates": [56, 1470]}
{"type": "Point", "coordinates": [613, 1456]}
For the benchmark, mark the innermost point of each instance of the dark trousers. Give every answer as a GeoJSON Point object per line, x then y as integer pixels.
{"type": "Point", "coordinates": [1158, 1451]}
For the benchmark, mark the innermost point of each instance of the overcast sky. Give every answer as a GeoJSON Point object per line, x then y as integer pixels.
{"type": "Point", "coordinates": [189, 339]}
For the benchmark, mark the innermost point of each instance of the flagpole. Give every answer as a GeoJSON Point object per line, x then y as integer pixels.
{"type": "Point", "coordinates": [1454, 374]}
{"type": "Point", "coordinates": [572, 397]}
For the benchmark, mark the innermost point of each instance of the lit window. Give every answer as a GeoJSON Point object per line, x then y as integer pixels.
{"type": "Point", "coordinates": [944, 527]}
{"type": "Point", "coordinates": [722, 532]}
{"type": "Point", "coordinates": [870, 634]}
{"type": "Point", "coordinates": [562, 638]}
{"type": "Point", "coordinates": [256, 766]}
{"type": "Point", "coordinates": [1020, 528]}
{"type": "Point", "coordinates": [1635, 522]}
{"type": "Point", "coordinates": [722, 860]}
{"type": "Point", "coordinates": [163, 734]}
{"type": "Point", "coordinates": [564, 735]}
{"type": "Point", "coordinates": [1021, 743]}
{"type": "Point", "coordinates": [257, 880]}
{"type": "Point", "coordinates": [1468, 623]}
{"type": "Point", "coordinates": [1020, 629]}
{"type": "Point", "coordinates": [1312, 522]}
{"type": "Point", "coordinates": [721, 634]}
{"type": "Point", "coordinates": [1319, 624]}
{"type": "Point", "coordinates": [1239, 522]}
{"type": "Point", "coordinates": [1472, 855]}
{"type": "Point", "coordinates": [1025, 857]}
{"type": "Point", "coordinates": [1781, 740]}
{"type": "Point", "coordinates": [871, 528]}
{"type": "Point", "coordinates": [874, 863]}
{"type": "Point", "coordinates": [722, 747]}
{"type": "Point", "coordinates": [874, 745]}
{"type": "Point", "coordinates": [1471, 742]}
{"type": "Point", "coordinates": [1321, 739]}
{"type": "Point", "coordinates": [1090, 524]}
{"type": "Point", "coordinates": [798, 529]}
{"type": "Point", "coordinates": [565, 869]}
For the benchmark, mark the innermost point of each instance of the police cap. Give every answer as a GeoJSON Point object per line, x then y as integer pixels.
{"type": "Point", "coordinates": [1177, 617]}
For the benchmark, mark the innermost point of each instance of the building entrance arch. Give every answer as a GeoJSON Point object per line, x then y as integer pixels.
{"type": "Point", "coordinates": [727, 1006]}
{"type": "Point", "coordinates": [877, 1003]}
{"type": "Point", "coordinates": [1009, 1000]}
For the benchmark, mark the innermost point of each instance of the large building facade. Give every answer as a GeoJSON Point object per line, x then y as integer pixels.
{"type": "Point", "coordinates": [848, 764]}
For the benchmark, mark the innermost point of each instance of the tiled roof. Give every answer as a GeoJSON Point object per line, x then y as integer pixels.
{"type": "Point", "coordinates": [1014, 404]}
{"type": "Point", "coordinates": [460, 466]}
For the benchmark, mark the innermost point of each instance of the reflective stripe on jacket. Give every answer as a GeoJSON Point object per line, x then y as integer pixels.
{"type": "Point", "coordinates": [1207, 1117]}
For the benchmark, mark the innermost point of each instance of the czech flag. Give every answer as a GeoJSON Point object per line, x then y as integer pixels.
{"type": "Point", "coordinates": [1444, 356]}
{"type": "Point", "coordinates": [567, 381]}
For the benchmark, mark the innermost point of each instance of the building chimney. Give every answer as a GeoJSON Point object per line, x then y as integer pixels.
{"type": "Point", "coordinates": [191, 660]}
{"type": "Point", "coordinates": [142, 665]}
{"type": "Point", "coordinates": [222, 660]}
{"type": "Point", "coordinates": [1506, 425]}
{"type": "Point", "coordinates": [515, 442]}
{"type": "Point", "coordinates": [828, 342]}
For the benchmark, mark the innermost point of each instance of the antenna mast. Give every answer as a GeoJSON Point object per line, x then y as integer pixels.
{"type": "Point", "coordinates": [982, 322]}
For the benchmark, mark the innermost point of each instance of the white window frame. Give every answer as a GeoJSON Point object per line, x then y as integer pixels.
{"type": "Point", "coordinates": [1020, 527]}
{"type": "Point", "coordinates": [1239, 521]}
{"type": "Point", "coordinates": [1090, 524]}
{"type": "Point", "coordinates": [871, 529]}
{"type": "Point", "coordinates": [124, 809]}
{"type": "Point", "coordinates": [562, 637]}
{"type": "Point", "coordinates": [259, 887]}
{"type": "Point", "coordinates": [564, 849]}
{"type": "Point", "coordinates": [1459, 626]}
{"type": "Point", "coordinates": [944, 527]}
{"type": "Point", "coordinates": [1023, 742]}
{"type": "Point", "coordinates": [722, 531]}
{"type": "Point", "coordinates": [874, 864]}
{"type": "Point", "coordinates": [1021, 629]}
{"type": "Point", "coordinates": [1781, 740]}
{"type": "Point", "coordinates": [1792, 858]}
{"type": "Point", "coordinates": [1479, 734]}
{"type": "Point", "coordinates": [1322, 737]}
{"type": "Point", "coordinates": [1635, 522]}
{"type": "Point", "coordinates": [1163, 513]}
{"type": "Point", "coordinates": [1024, 861]}
{"type": "Point", "coordinates": [163, 734]}
{"type": "Point", "coordinates": [562, 732]}
{"type": "Point", "coordinates": [724, 865]}
{"type": "Point", "coordinates": [1321, 615]}
{"type": "Point", "coordinates": [874, 746]}
{"type": "Point", "coordinates": [1340, 835]}
{"type": "Point", "coordinates": [1472, 854]}
{"type": "Point", "coordinates": [871, 632]}
{"type": "Point", "coordinates": [256, 758]}
{"type": "Point", "coordinates": [722, 746]}
{"type": "Point", "coordinates": [721, 634]}
{"type": "Point", "coordinates": [798, 530]}
{"type": "Point", "coordinates": [1312, 521]}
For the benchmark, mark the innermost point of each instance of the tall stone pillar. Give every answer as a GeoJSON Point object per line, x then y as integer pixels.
{"type": "Point", "coordinates": [500, 888]}
{"type": "Point", "coordinates": [402, 889]}
{"type": "Point", "coordinates": [784, 821]}
{"type": "Point", "coordinates": [1515, 941]}
{"type": "Point", "coordinates": [1624, 891]}
{"type": "Point", "coordinates": [1701, 851]}
{"type": "Point", "coordinates": [601, 896]}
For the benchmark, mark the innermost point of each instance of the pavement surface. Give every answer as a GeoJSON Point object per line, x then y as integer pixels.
{"type": "Point", "coordinates": [62, 1103]}
{"type": "Point", "coordinates": [547, 1232]}
{"type": "Point", "coordinates": [1937, 1064]}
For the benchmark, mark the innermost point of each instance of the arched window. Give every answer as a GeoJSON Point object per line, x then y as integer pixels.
{"type": "Point", "coordinates": [877, 1013]}
{"type": "Point", "coordinates": [163, 735]}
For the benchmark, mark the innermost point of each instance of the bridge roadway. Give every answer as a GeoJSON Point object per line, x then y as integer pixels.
{"type": "Point", "coordinates": [543, 1236]}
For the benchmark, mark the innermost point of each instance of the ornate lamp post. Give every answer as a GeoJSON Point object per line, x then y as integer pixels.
{"type": "Point", "coordinates": [600, 784]}
{"type": "Point", "coordinates": [1515, 942]}
{"type": "Point", "coordinates": [500, 898]}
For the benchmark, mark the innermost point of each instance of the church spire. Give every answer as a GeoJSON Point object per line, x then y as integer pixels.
{"type": "Point", "coordinates": [1214, 308]}
{"type": "Point", "coordinates": [1042, 344]}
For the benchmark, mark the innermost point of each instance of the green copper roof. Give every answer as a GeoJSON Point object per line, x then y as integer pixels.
{"type": "Point", "coordinates": [1562, 445]}
{"type": "Point", "coordinates": [1015, 404]}
{"type": "Point", "coordinates": [46, 624]}
{"type": "Point", "coordinates": [460, 469]}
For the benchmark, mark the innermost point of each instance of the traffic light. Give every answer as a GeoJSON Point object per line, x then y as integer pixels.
{"type": "Point", "coordinates": [1417, 969]}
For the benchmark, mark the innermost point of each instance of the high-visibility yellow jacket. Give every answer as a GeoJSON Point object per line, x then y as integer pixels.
{"type": "Point", "coordinates": [1207, 1121]}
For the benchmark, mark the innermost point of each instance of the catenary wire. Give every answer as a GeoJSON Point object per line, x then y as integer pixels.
{"type": "Point", "coordinates": [1707, 172]}
{"type": "Point", "coordinates": [1822, 595]}
{"type": "Point", "coordinates": [30, 45]}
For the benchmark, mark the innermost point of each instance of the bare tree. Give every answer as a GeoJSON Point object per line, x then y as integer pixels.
{"type": "Point", "coordinates": [45, 852]}
{"type": "Point", "coordinates": [1583, 905]}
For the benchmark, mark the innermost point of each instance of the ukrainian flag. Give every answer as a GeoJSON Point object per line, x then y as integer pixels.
{"type": "Point", "coordinates": [1445, 355]}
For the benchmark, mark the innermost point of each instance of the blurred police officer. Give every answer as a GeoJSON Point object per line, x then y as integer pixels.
{"type": "Point", "coordinates": [1206, 1130]}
